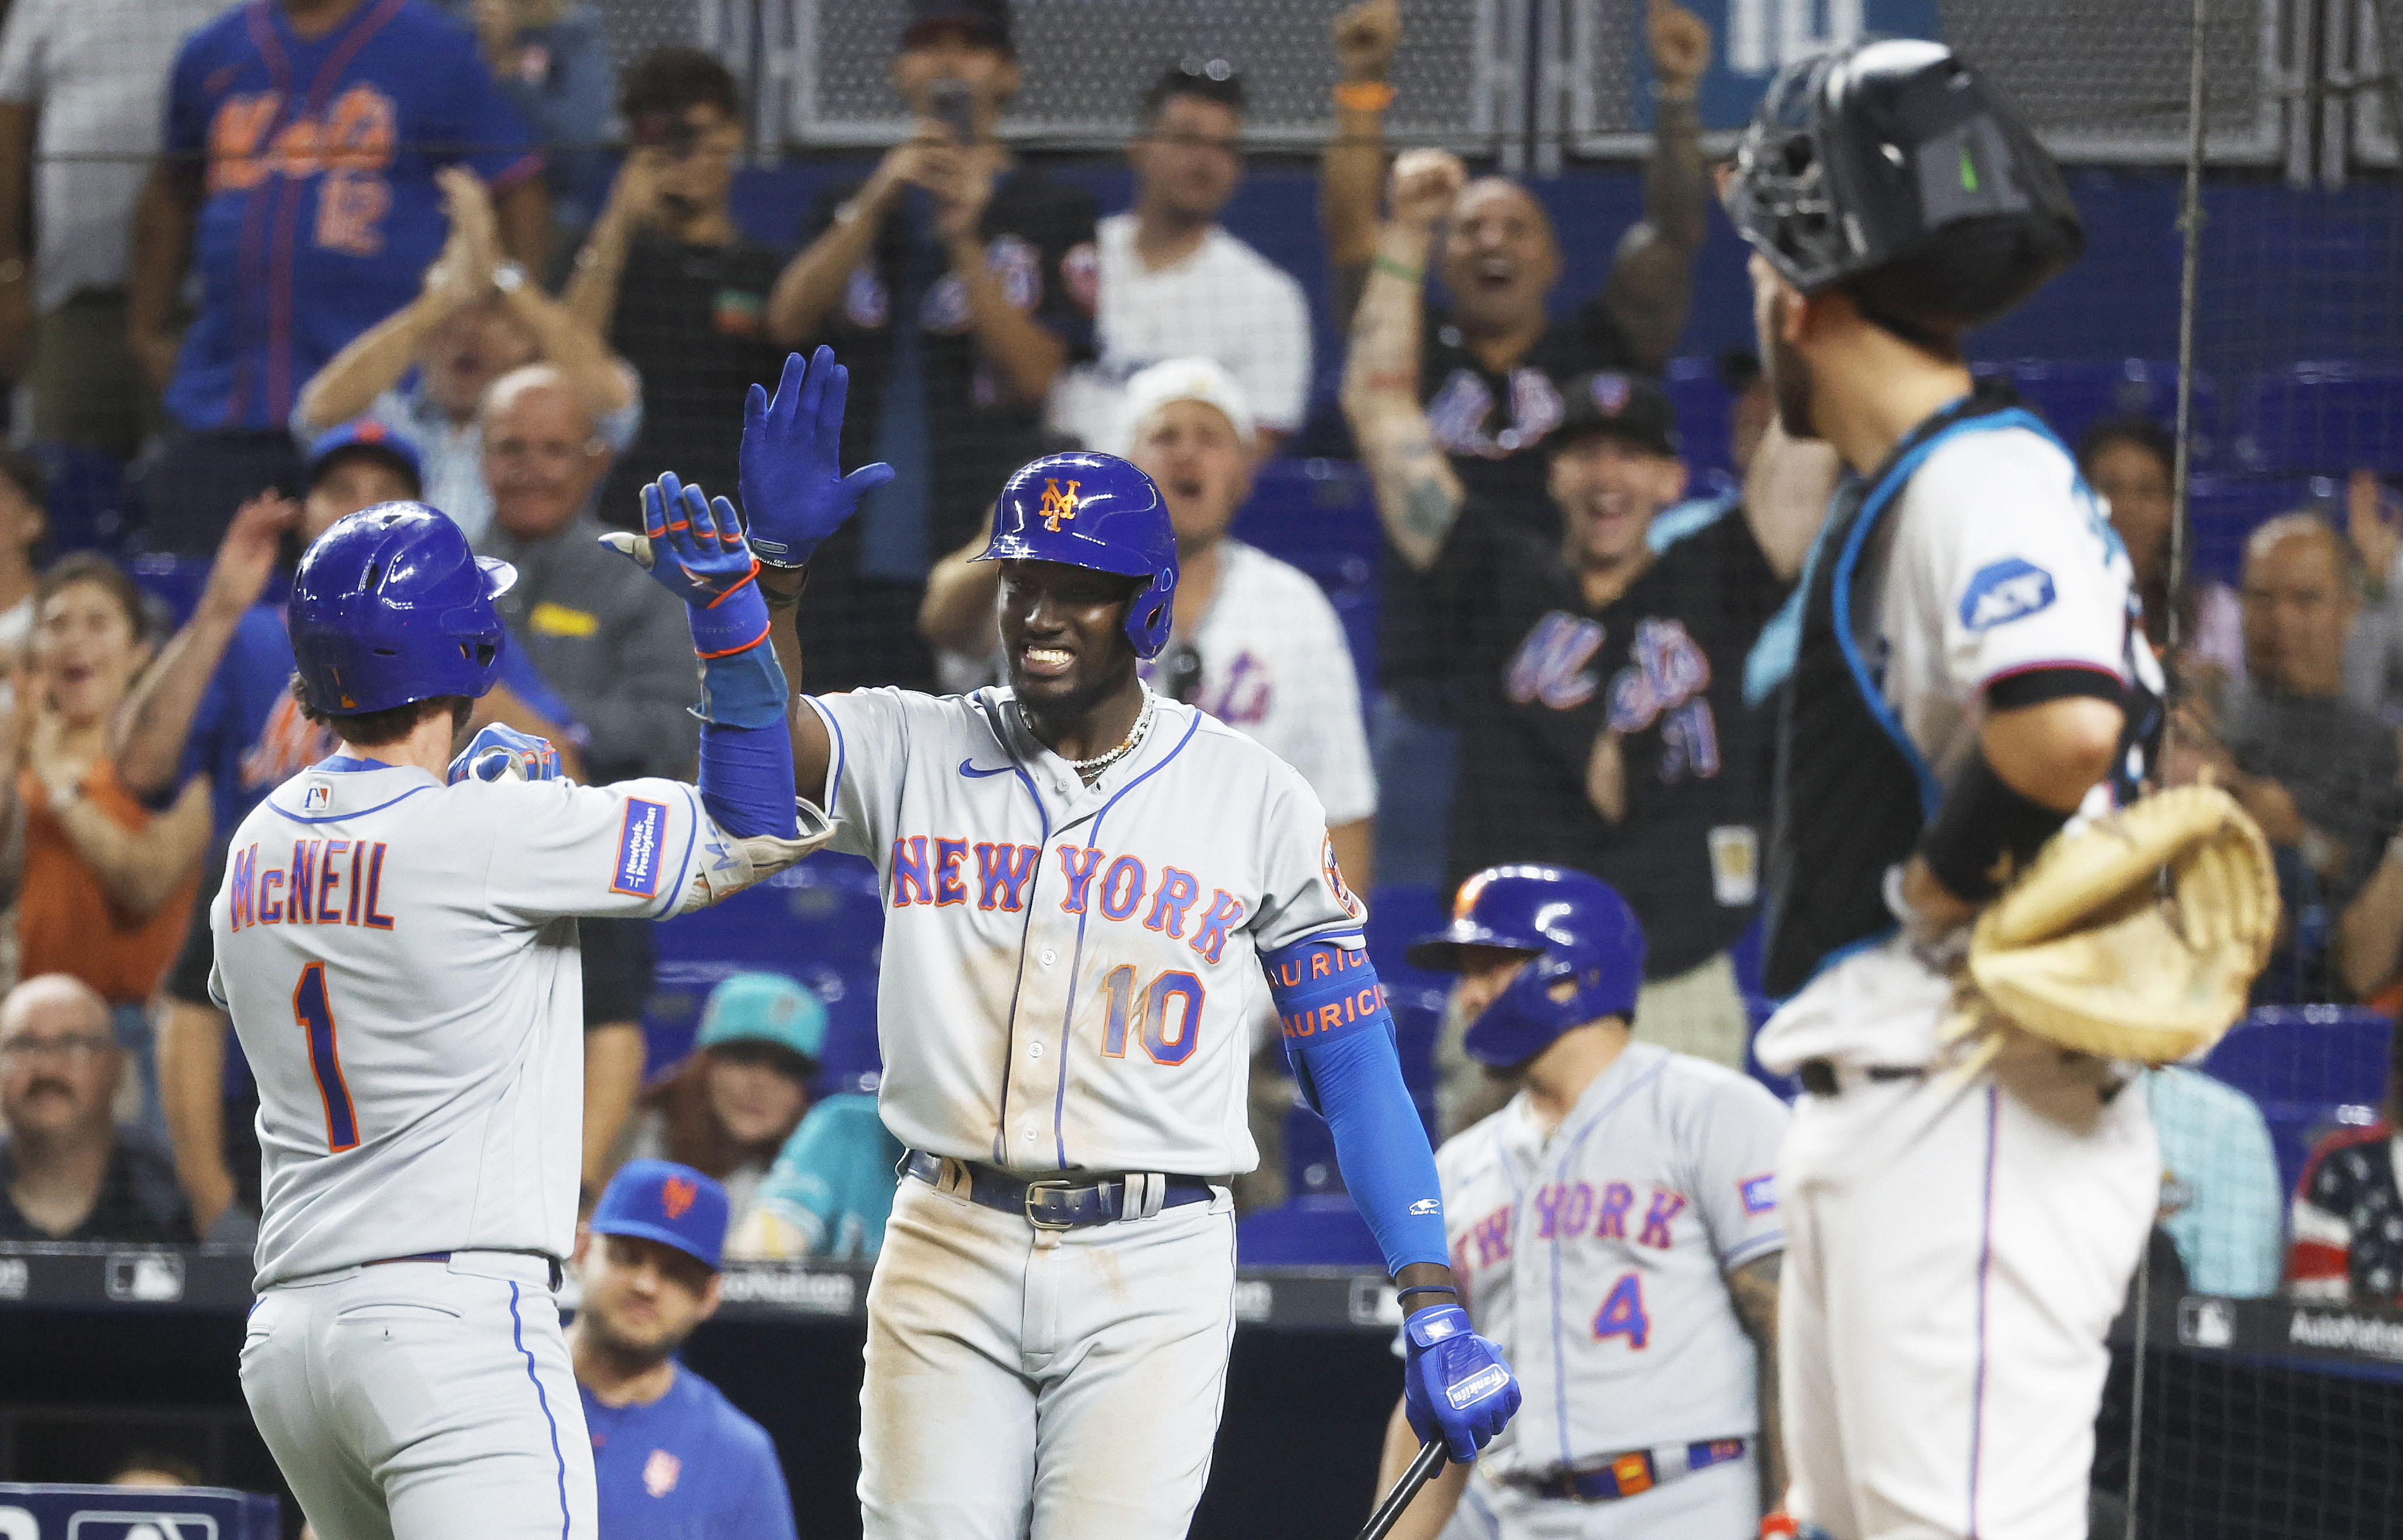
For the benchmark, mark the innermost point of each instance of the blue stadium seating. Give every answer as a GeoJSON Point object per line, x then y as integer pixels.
{"type": "Point", "coordinates": [1321, 515]}
{"type": "Point", "coordinates": [821, 922]}
{"type": "Point", "coordinates": [2322, 420]}
{"type": "Point", "coordinates": [86, 499]}
{"type": "Point", "coordinates": [2225, 509]}
{"type": "Point", "coordinates": [2308, 1068]}
{"type": "Point", "coordinates": [1313, 1229]}
{"type": "Point", "coordinates": [2071, 395]}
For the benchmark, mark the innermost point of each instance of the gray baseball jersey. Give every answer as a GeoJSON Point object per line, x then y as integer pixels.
{"type": "Point", "coordinates": [1070, 972]}
{"type": "Point", "coordinates": [1597, 1256]}
{"type": "Point", "coordinates": [400, 961]}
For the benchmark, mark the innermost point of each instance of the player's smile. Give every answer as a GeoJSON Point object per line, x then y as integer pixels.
{"type": "Point", "coordinates": [1060, 627]}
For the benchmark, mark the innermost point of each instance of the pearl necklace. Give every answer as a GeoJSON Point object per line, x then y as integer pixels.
{"type": "Point", "coordinates": [1090, 770]}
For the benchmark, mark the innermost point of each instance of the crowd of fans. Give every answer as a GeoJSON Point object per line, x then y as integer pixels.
{"type": "Point", "coordinates": [437, 283]}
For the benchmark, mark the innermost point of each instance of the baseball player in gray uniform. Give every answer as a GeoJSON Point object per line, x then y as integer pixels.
{"type": "Point", "coordinates": [1089, 890]}
{"type": "Point", "coordinates": [397, 945]}
{"type": "Point", "coordinates": [1615, 1229]}
{"type": "Point", "coordinates": [1969, 676]}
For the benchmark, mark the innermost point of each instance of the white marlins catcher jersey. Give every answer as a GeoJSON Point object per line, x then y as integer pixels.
{"type": "Point", "coordinates": [400, 961]}
{"type": "Point", "coordinates": [1070, 972]}
{"type": "Point", "coordinates": [1997, 560]}
{"type": "Point", "coordinates": [1598, 1257]}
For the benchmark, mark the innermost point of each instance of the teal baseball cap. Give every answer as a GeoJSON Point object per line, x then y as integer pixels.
{"type": "Point", "coordinates": [764, 1008]}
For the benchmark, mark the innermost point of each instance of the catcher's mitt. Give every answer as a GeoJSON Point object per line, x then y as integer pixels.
{"type": "Point", "coordinates": [2137, 936]}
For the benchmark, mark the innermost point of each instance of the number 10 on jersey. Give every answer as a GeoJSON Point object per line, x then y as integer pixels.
{"type": "Point", "coordinates": [1166, 1018]}
{"type": "Point", "coordinates": [314, 1013]}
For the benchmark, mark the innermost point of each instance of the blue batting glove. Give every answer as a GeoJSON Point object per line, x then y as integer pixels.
{"type": "Point", "coordinates": [500, 752]}
{"type": "Point", "coordinates": [793, 488]}
{"type": "Point", "coordinates": [695, 550]}
{"type": "Point", "coordinates": [1455, 1384]}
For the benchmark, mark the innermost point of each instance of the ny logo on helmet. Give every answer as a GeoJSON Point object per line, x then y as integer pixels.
{"type": "Point", "coordinates": [1056, 504]}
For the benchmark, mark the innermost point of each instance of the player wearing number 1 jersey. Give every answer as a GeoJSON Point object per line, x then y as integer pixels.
{"type": "Point", "coordinates": [1615, 1227]}
{"type": "Point", "coordinates": [1089, 890]}
{"type": "Point", "coordinates": [398, 948]}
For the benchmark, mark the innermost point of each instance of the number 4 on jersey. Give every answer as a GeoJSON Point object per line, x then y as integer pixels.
{"type": "Point", "coordinates": [314, 1013]}
{"type": "Point", "coordinates": [1622, 1313]}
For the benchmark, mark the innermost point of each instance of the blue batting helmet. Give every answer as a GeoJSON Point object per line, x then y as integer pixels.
{"type": "Point", "coordinates": [1096, 511]}
{"type": "Point", "coordinates": [390, 606]}
{"type": "Point", "coordinates": [1581, 934]}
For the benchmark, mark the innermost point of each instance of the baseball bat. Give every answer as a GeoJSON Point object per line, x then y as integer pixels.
{"type": "Point", "coordinates": [1389, 1512]}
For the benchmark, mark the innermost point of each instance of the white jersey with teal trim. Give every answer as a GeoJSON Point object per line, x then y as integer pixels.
{"type": "Point", "coordinates": [1070, 972]}
{"type": "Point", "coordinates": [1997, 560]}
{"type": "Point", "coordinates": [1597, 1256]}
{"type": "Point", "coordinates": [400, 961]}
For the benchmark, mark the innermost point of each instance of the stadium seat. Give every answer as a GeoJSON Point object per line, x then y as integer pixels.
{"type": "Point", "coordinates": [1701, 403]}
{"type": "Point", "coordinates": [821, 922]}
{"type": "Point", "coordinates": [1320, 516]}
{"type": "Point", "coordinates": [86, 499]}
{"type": "Point", "coordinates": [1315, 1230]}
{"type": "Point", "coordinates": [2322, 418]}
{"type": "Point", "coordinates": [2073, 394]}
{"type": "Point", "coordinates": [2225, 509]}
{"type": "Point", "coordinates": [2308, 1068]}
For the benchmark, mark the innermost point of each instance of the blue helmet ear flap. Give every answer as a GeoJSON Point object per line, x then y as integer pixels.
{"type": "Point", "coordinates": [1152, 615]}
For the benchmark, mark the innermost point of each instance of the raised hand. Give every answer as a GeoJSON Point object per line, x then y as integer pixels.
{"type": "Point", "coordinates": [696, 552]}
{"type": "Point", "coordinates": [1426, 184]}
{"type": "Point", "coordinates": [1680, 43]}
{"type": "Point", "coordinates": [503, 752]}
{"type": "Point", "coordinates": [793, 488]}
{"type": "Point", "coordinates": [1364, 39]}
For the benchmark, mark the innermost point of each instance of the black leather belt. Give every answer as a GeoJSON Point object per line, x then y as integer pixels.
{"type": "Point", "coordinates": [1062, 1203]}
{"type": "Point", "coordinates": [1818, 1076]}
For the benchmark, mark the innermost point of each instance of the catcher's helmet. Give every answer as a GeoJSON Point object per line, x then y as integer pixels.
{"type": "Point", "coordinates": [390, 606]}
{"type": "Point", "coordinates": [1582, 934]}
{"type": "Point", "coordinates": [1096, 511]}
{"type": "Point", "coordinates": [1863, 156]}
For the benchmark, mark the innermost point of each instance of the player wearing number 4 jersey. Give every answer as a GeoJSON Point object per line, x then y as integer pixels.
{"type": "Point", "coordinates": [1089, 891]}
{"type": "Point", "coordinates": [396, 944]}
{"type": "Point", "coordinates": [1615, 1227]}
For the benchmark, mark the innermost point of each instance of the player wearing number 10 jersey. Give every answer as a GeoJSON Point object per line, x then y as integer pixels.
{"type": "Point", "coordinates": [1090, 892]}
{"type": "Point", "coordinates": [398, 948]}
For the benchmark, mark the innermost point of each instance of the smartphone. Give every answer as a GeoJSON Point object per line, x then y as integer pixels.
{"type": "Point", "coordinates": [952, 103]}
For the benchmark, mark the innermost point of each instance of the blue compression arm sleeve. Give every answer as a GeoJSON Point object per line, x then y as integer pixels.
{"type": "Point", "coordinates": [746, 754]}
{"type": "Point", "coordinates": [1339, 1037]}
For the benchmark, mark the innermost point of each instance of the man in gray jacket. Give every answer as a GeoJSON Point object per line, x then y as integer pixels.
{"type": "Point", "coordinates": [611, 643]}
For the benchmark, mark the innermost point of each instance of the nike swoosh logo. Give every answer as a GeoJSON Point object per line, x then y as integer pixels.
{"type": "Point", "coordinates": [968, 768]}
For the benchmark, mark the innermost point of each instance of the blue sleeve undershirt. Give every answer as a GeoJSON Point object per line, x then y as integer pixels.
{"type": "Point", "coordinates": [746, 751]}
{"type": "Point", "coordinates": [1351, 1073]}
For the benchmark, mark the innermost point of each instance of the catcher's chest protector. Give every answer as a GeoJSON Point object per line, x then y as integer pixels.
{"type": "Point", "coordinates": [1851, 792]}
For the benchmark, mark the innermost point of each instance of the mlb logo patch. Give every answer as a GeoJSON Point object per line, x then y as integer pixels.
{"type": "Point", "coordinates": [1759, 1193]}
{"type": "Point", "coordinates": [317, 798]}
{"type": "Point", "coordinates": [638, 848]}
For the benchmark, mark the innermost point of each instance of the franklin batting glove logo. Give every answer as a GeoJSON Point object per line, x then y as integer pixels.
{"type": "Point", "coordinates": [1426, 1205]}
{"type": "Point", "coordinates": [1476, 1387]}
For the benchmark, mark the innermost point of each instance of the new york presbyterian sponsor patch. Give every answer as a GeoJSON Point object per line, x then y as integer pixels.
{"type": "Point", "coordinates": [2003, 591]}
{"type": "Point", "coordinates": [1760, 1192]}
{"type": "Point", "coordinates": [638, 848]}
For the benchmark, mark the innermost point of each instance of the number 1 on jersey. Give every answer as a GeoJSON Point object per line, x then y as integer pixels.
{"type": "Point", "coordinates": [314, 1013]}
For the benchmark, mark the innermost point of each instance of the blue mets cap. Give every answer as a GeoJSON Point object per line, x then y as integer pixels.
{"type": "Point", "coordinates": [765, 1007]}
{"type": "Point", "coordinates": [661, 1200]}
{"type": "Point", "coordinates": [366, 434]}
